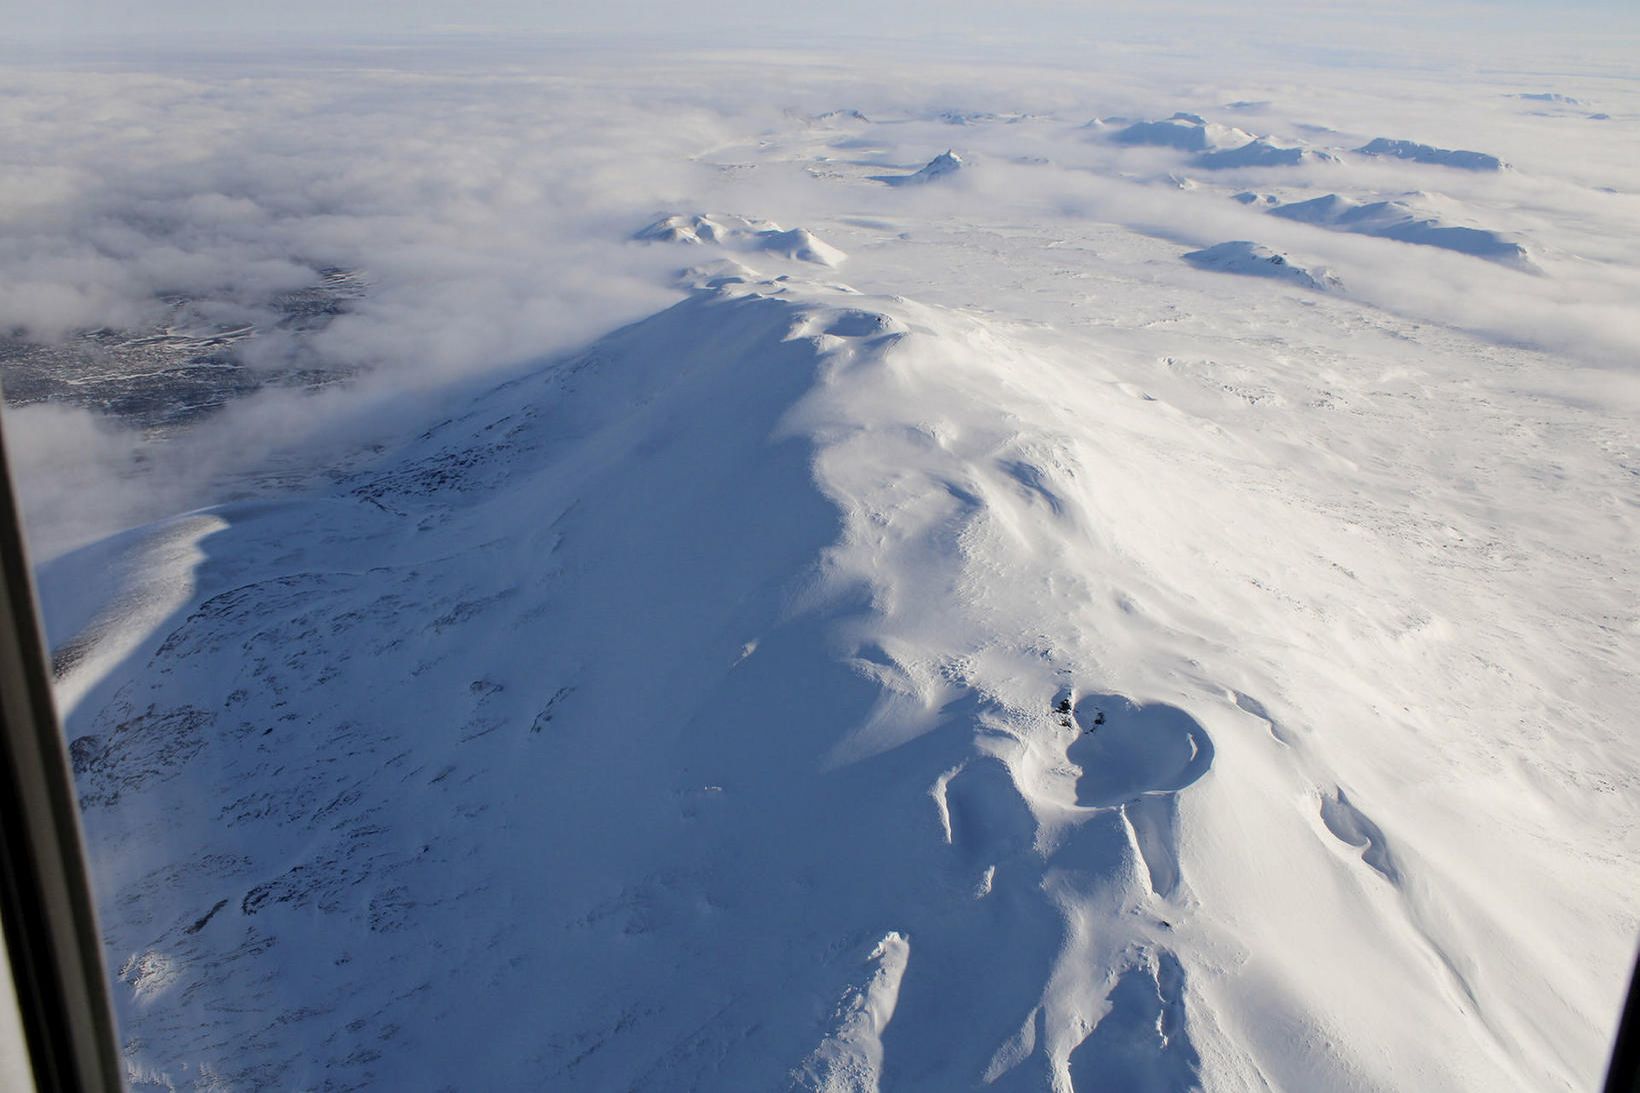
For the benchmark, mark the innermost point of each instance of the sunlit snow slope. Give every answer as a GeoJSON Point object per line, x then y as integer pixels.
{"type": "Point", "coordinates": [986, 645]}
{"type": "Point", "coordinates": [805, 688]}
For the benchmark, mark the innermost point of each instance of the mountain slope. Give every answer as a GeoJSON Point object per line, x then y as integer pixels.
{"type": "Point", "coordinates": [1404, 223]}
{"type": "Point", "coordinates": [1251, 259]}
{"type": "Point", "coordinates": [1425, 153]}
{"type": "Point", "coordinates": [805, 689]}
{"type": "Point", "coordinates": [943, 166]}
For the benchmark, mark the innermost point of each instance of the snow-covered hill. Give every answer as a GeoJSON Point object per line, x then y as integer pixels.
{"type": "Point", "coordinates": [741, 234]}
{"type": "Point", "coordinates": [1256, 260]}
{"type": "Point", "coordinates": [1426, 153]}
{"type": "Point", "coordinates": [706, 726]}
{"type": "Point", "coordinates": [944, 165]}
{"type": "Point", "coordinates": [1190, 132]}
{"type": "Point", "coordinates": [1404, 222]}
{"type": "Point", "coordinates": [683, 657]}
{"type": "Point", "coordinates": [1262, 152]}
{"type": "Point", "coordinates": [796, 676]}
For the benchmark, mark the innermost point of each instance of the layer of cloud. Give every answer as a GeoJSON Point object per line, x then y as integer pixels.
{"type": "Point", "coordinates": [488, 191]}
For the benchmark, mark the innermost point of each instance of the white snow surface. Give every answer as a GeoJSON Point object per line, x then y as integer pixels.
{"type": "Point", "coordinates": [1007, 659]}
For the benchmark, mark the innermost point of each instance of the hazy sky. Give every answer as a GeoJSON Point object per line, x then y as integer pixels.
{"type": "Point", "coordinates": [77, 19]}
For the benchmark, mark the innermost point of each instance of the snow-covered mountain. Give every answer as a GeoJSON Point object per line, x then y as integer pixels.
{"type": "Point", "coordinates": [944, 165]}
{"type": "Point", "coordinates": [645, 720]}
{"type": "Point", "coordinates": [1427, 153]}
{"type": "Point", "coordinates": [684, 657]}
{"type": "Point", "coordinates": [1262, 152]}
{"type": "Point", "coordinates": [1190, 132]}
{"type": "Point", "coordinates": [1256, 260]}
{"type": "Point", "coordinates": [1406, 223]}
{"type": "Point", "coordinates": [785, 681]}
{"type": "Point", "coordinates": [740, 234]}
{"type": "Point", "coordinates": [1217, 147]}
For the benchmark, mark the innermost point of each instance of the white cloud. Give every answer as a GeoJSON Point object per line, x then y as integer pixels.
{"type": "Point", "coordinates": [488, 192]}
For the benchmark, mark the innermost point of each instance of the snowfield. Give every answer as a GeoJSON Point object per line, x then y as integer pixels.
{"type": "Point", "coordinates": [932, 637]}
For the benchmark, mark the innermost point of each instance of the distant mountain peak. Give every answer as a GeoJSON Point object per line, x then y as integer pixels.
{"type": "Point", "coordinates": [1247, 258]}
{"type": "Point", "coordinates": [944, 165]}
{"type": "Point", "coordinates": [1428, 153]}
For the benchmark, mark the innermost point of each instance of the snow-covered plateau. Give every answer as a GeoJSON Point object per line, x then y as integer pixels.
{"type": "Point", "coordinates": [743, 625]}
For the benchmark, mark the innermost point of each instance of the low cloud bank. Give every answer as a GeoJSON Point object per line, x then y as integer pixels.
{"type": "Point", "coordinates": [488, 200]}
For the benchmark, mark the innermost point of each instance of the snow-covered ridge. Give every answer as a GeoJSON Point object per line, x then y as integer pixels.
{"type": "Point", "coordinates": [1426, 153]}
{"type": "Point", "coordinates": [1040, 665]}
{"type": "Point", "coordinates": [1189, 132]}
{"type": "Point", "coordinates": [686, 522]}
{"type": "Point", "coordinates": [741, 234]}
{"type": "Point", "coordinates": [1217, 147]}
{"type": "Point", "coordinates": [1404, 222]}
{"type": "Point", "coordinates": [982, 117]}
{"type": "Point", "coordinates": [945, 165]}
{"type": "Point", "coordinates": [848, 117]}
{"type": "Point", "coordinates": [757, 695]}
{"type": "Point", "coordinates": [1256, 260]}
{"type": "Point", "coordinates": [1263, 152]}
